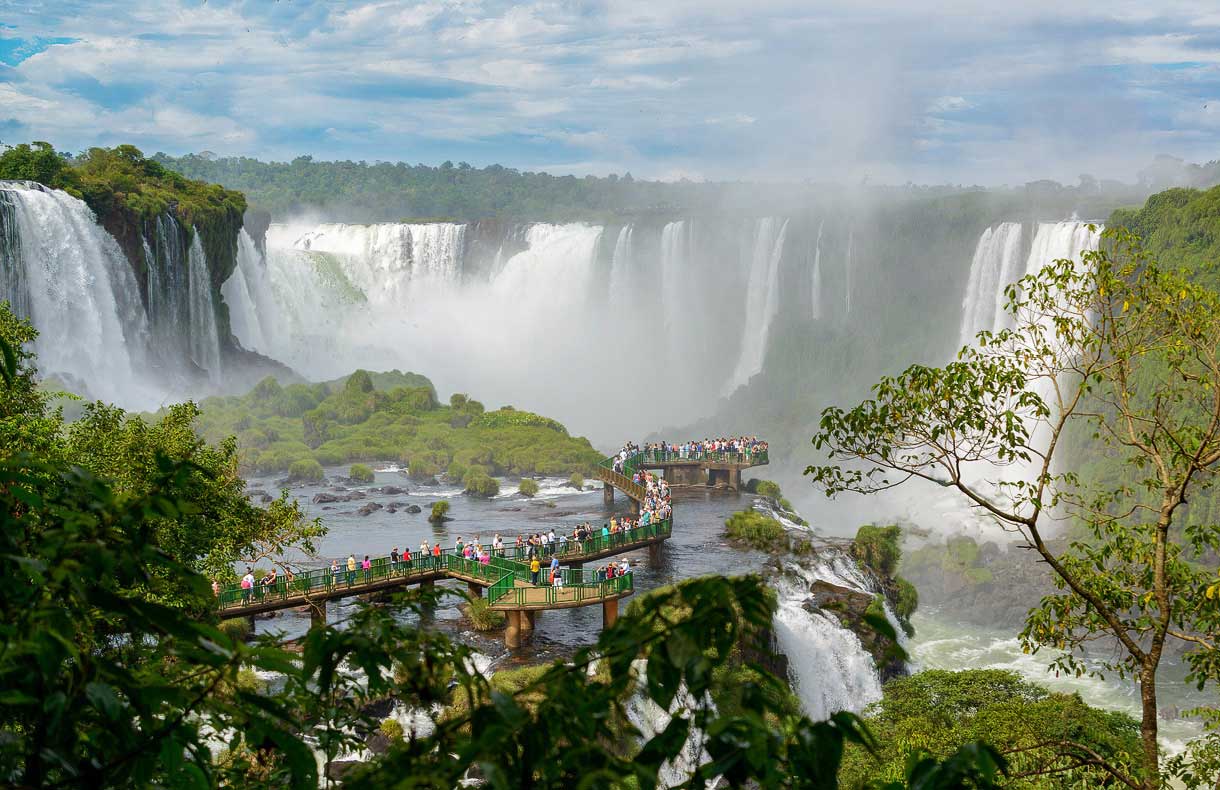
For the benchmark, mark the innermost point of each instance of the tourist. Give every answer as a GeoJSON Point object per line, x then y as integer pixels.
{"type": "Point", "coordinates": [367, 567]}
{"type": "Point", "coordinates": [334, 572]}
{"type": "Point", "coordinates": [269, 579]}
{"type": "Point", "coordinates": [247, 585]}
{"type": "Point", "coordinates": [436, 556]}
{"type": "Point", "coordinates": [535, 567]}
{"type": "Point", "coordinates": [406, 558]}
{"type": "Point", "coordinates": [351, 569]}
{"type": "Point", "coordinates": [625, 568]}
{"type": "Point", "coordinates": [394, 559]}
{"type": "Point", "coordinates": [216, 587]}
{"type": "Point", "coordinates": [457, 547]}
{"type": "Point", "coordinates": [554, 568]}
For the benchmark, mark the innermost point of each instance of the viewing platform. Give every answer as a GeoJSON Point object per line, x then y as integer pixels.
{"type": "Point", "coordinates": [711, 469]}
{"type": "Point", "coordinates": [506, 579]}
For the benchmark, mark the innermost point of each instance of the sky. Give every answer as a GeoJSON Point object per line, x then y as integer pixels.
{"type": "Point", "coordinates": [884, 90]}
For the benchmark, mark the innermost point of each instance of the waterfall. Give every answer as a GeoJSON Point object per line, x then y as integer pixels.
{"type": "Point", "coordinates": [204, 337]}
{"type": "Point", "coordinates": [830, 668]}
{"type": "Point", "coordinates": [851, 245]}
{"type": "Point", "coordinates": [390, 261]}
{"type": "Point", "coordinates": [993, 268]}
{"type": "Point", "coordinates": [167, 265]}
{"type": "Point", "coordinates": [762, 299]}
{"type": "Point", "coordinates": [64, 273]}
{"type": "Point", "coordinates": [621, 268]}
{"type": "Point", "coordinates": [248, 294]}
{"type": "Point", "coordinates": [816, 276]}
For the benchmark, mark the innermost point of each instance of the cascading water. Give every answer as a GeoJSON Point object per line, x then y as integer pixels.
{"type": "Point", "coordinates": [993, 268]}
{"type": "Point", "coordinates": [847, 269]}
{"type": "Point", "coordinates": [389, 261]}
{"type": "Point", "coordinates": [816, 276]}
{"type": "Point", "coordinates": [248, 294]}
{"type": "Point", "coordinates": [204, 337]}
{"type": "Point", "coordinates": [762, 299]}
{"type": "Point", "coordinates": [69, 277]}
{"type": "Point", "coordinates": [621, 272]}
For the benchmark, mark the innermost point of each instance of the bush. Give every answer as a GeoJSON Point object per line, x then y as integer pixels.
{"type": "Point", "coordinates": [577, 481]}
{"type": "Point", "coordinates": [478, 483]}
{"type": "Point", "coordinates": [307, 469]}
{"type": "Point", "coordinates": [391, 729]}
{"type": "Point", "coordinates": [756, 530]}
{"type": "Point", "coordinates": [457, 471]}
{"type": "Point", "coordinates": [439, 509]}
{"type": "Point", "coordinates": [766, 488]}
{"type": "Point", "coordinates": [422, 469]}
{"type": "Point", "coordinates": [877, 549]}
{"type": "Point", "coordinates": [527, 487]}
{"type": "Point", "coordinates": [482, 616]}
{"type": "Point", "coordinates": [361, 473]}
{"type": "Point", "coordinates": [236, 628]}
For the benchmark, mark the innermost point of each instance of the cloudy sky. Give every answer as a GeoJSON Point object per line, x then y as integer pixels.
{"type": "Point", "coordinates": [971, 92]}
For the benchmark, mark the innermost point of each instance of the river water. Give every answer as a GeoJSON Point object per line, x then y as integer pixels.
{"type": "Point", "coordinates": [696, 548]}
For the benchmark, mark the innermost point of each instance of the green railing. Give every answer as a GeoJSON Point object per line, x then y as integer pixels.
{"type": "Point", "coordinates": [642, 459]}
{"type": "Point", "coordinates": [517, 596]}
{"type": "Point", "coordinates": [511, 560]}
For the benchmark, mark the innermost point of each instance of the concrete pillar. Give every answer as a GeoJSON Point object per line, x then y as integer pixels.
{"type": "Point", "coordinates": [317, 614]}
{"type": "Point", "coordinates": [735, 479]}
{"type": "Point", "coordinates": [635, 507]}
{"type": "Point", "coordinates": [654, 553]}
{"type": "Point", "coordinates": [512, 633]}
{"type": "Point", "coordinates": [430, 583]}
{"type": "Point", "coordinates": [608, 494]}
{"type": "Point", "coordinates": [476, 591]}
{"type": "Point", "coordinates": [609, 612]}
{"type": "Point", "coordinates": [527, 621]}
{"type": "Point", "coordinates": [576, 565]}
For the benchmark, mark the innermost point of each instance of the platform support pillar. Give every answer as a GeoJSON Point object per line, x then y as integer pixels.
{"type": "Point", "coordinates": [609, 612]}
{"type": "Point", "coordinates": [512, 634]}
{"type": "Point", "coordinates": [475, 590]}
{"type": "Point", "coordinates": [608, 494]}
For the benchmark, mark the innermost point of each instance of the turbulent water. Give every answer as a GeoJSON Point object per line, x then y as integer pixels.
{"type": "Point", "coordinates": [69, 277]}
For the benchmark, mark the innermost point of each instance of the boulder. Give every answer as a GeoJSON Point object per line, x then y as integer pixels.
{"type": "Point", "coordinates": [414, 509]}
{"type": "Point", "coordinates": [324, 498]}
{"type": "Point", "coordinates": [389, 490]}
{"type": "Point", "coordinates": [369, 508]}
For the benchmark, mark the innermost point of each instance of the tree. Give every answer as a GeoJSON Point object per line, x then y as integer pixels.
{"type": "Point", "coordinates": [1125, 353]}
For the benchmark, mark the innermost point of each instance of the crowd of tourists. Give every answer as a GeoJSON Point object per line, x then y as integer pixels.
{"type": "Point", "coordinates": [740, 449]}
{"type": "Point", "coordinates": [534, 549]}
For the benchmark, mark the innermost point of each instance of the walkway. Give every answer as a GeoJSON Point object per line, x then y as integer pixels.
{"type": "Point", "coordinates": [705, 468]}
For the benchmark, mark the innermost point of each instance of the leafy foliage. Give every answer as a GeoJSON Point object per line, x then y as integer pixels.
{"type": "Point", "coordinates": [361, 473]}
{"type": "Point", "coordinates": [1049, 739]}
{"type": "Point", "coordinates": [1123, 349]}
{"type": "Point", "coordinates": [877, 548]}
{"type": "Point", "coordinates": [388, 417]}
{"type": "Point", "coordinates": [527, 487]}
{"type": "Point", "coordinates": [439, 509]}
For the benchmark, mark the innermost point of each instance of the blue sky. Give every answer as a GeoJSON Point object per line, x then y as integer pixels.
{"type": "Point", "coordinates": [971, 92]}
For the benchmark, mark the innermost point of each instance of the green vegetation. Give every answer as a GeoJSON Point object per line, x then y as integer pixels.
{"type": "Point", "coordinates": [1136, 355]}
{"type": "Point", "coordinates": [878, 549]}
{"type": "Point", "coordinates": [753, 529]}
{"type": "Point", "coordinates": [389, 417]}
{"type": "Point", "coordinates": [482, 617]}
{"type": "Point", "coordinates": [938, 712]}
{"type": "Point", "coordinates": [764, 488]}
{"type": "Point", "coordinates": [577, 481]}
{"type": "Point", "coordinates": [391, 729]}
{"type": "Point", "coordinates": [479, 484]}
{"type": "Point", "coordinates": [108, 689]}
{"type": "Point", "coordinates": [439, 511]}
{"type": "Point", "coordinates": [361, 473]}
{"type": "Point", "coordinates": [128, 191]}
{"type": "Point", "coordinates": [305, 470]}
{"type": "Point", "coordinates": [527, 487]}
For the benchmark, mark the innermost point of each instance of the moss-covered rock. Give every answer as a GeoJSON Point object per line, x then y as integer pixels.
{"type": "Point", "coordinates": [755, 530]}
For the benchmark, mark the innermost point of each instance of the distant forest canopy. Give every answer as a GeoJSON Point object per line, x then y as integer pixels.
{"type": "Point", "coordinates": [383, 191]}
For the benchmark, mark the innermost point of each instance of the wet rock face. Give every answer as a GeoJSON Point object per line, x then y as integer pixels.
{"type": "Point", "coordinates": [369, 508]}
{"type": "Point", "coordinates": [414, 509]}
{"type": "Point", "coordinates": [849, 607]}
